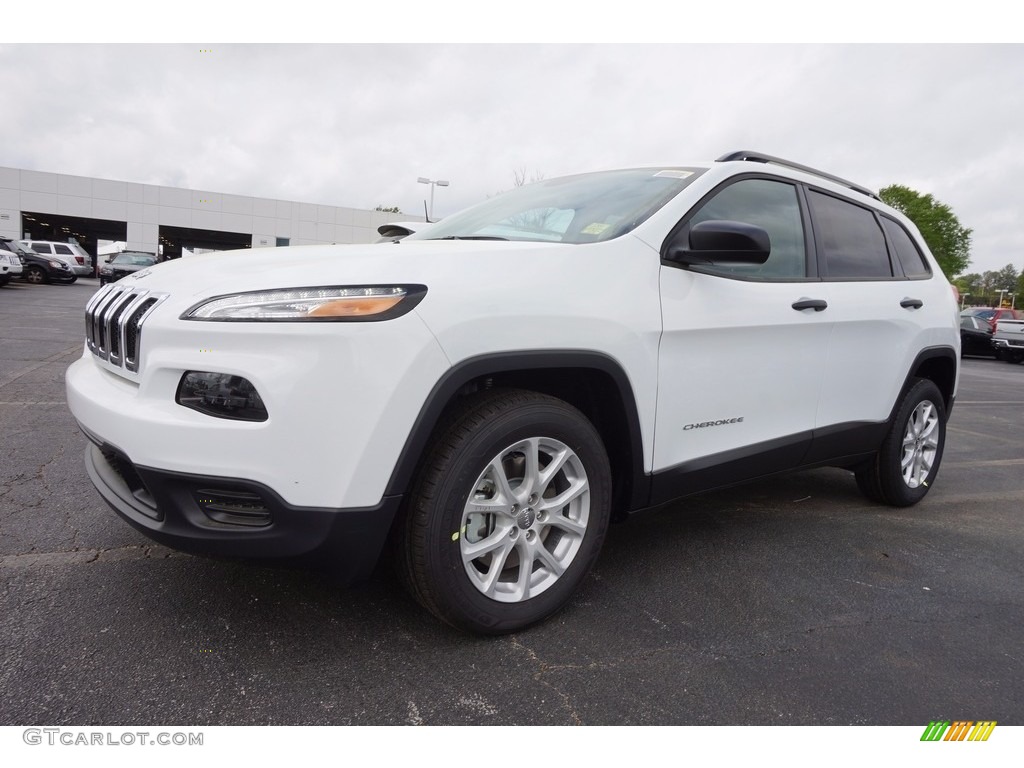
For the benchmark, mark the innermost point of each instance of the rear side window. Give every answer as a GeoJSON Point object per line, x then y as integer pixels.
{"type": "Point", "coordinates": [43, 248]}
{"type": "Point", "coordinates": [910, 258]}
{"type": "Point", "coordinates": [974, 323]}
{"type": "Point", "coordinates": [850, 242]}
{"type": "Point", "coordinates": [63, 250]}
{"type": "Point", "coordinates": [771, 205]}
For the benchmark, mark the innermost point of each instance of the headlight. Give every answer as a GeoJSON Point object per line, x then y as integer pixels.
{"type": "Point", "coordinates": [327, 304]}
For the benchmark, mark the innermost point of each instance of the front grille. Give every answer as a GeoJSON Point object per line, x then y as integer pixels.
{"type": "Point", "coordinates": [113, 323]}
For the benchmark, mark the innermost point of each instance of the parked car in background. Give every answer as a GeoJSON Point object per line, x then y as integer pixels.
{"type": "Point", "coordinates": [976, 336]}
{"type": "Point", "coordinates": [10, 261]}
{"type": "Point", "coordinates": [46, 269]}
{"type": "Point", "coordinates": [125, 263]}
{"type": "Point", "coordinates": [992, 314]}
{"type": "Point", "coordinates": [1008, 340]}
{"type": "Point", "coordinates": [72, 254]}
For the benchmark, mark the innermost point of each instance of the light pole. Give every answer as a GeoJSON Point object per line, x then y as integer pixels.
{"type": "Point", "coordinates": [1013, 301]}
{"type": "Point", "coordinates": [433, 183]}
{"type": "Point", "coordinates": [963, 300]}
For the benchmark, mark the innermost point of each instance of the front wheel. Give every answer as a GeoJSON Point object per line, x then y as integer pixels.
{"type": "Point", "coordinates": [35, 275]}
{"type": "Point", "coordinates": [508, 514]}
{"type": "Point", "coordinates": [907, 463]}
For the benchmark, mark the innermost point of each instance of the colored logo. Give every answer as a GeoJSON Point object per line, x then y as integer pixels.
{"type": "Point", "coordinates": [960, 730]}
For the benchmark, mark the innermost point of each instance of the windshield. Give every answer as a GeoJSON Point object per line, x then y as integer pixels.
{"type": "Point", "coordinates": [575, 209]}
{"type": "Point", "coordinates": [134, 259]}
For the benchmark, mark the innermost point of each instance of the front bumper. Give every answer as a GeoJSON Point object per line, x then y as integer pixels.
{"type": "Point", "coordinates": [238, 518]}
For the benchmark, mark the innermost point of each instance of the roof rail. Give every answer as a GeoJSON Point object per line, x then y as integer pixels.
{"type": "Point", "coordinates": [758, 157]}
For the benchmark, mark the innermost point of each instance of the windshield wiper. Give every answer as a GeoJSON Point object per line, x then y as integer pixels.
{"type": "Point", "coordinates": [468, 237]}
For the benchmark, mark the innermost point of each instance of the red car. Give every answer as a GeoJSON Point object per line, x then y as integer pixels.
{"type": "Point", "coordinates": [992, 314]}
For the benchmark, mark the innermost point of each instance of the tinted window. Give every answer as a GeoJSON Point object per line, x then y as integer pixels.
{"type": "Point", "coordinates": [42, 248]}
{"type": "Point", "coordinates": [909, 256]}
{"type": "Point", "coordinates": [771, 205]}
{"type": "Point", "coordinates": [62, 249]}
{"type": "Point", "coordinates": [974, 323]}
{"type": "Point", "coordinates": [849, 239]}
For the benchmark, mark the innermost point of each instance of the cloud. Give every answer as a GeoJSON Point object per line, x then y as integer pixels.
{"type": "Point", "coordinates": [356, 125]}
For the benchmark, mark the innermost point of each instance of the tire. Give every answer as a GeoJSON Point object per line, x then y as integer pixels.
{"type": "Point", "coordinates": [1014, 358]}
{"type": "Point", "coordinates": [36, 275]}
{"type": "Point", "coordinates": [484, 502]}
{"type": "Point", "coordinates": [908, 461]}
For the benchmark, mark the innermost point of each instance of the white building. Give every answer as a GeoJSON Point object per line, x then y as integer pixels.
{"type": "Point", "coordinates": [147, 217]}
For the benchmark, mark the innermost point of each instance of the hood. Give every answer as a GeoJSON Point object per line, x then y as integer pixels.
{"type": "Point", "coordinates": [420, 261]}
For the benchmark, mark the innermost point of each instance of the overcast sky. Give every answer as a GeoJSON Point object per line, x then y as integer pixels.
{"type": "Point", "coordinates": [355, 125]}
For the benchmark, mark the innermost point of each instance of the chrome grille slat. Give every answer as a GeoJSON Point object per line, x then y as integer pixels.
{"type": "Point", "coordinates": [113, 324]}
{"type": "Point", "coordinates": [133, 325]}
{"type": "Point", "coordinates": [115, 335]}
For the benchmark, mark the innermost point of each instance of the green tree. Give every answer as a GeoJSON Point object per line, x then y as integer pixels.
{"type": "Point", "coordinates": [948, 240]}
{"type": "Point", "coordinates": [1005, 279]}
{"type": "Point", "coordinates": [969, 283]}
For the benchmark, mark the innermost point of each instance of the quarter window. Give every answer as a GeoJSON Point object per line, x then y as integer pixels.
{"type": "Point", "coordinates": [63, 250]}
{"type": "Point", "coordinates": [849, 239]}
{"type": "Point", "coordinates": [771, 205]}
{"type": "Point", "coordinates": [910, 257]}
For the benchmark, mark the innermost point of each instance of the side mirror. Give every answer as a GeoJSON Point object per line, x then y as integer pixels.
{"type": "Point", "coordinates": [721, 242]}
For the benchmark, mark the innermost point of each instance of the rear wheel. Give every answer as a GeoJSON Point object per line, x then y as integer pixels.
{"type": "Point", "coordinates": [508, 514]}
{"type": "Point", "coordinates": [907, 463]}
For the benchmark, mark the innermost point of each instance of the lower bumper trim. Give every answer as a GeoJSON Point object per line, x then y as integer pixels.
{"type": "Point", "coordinates": [173, 509]}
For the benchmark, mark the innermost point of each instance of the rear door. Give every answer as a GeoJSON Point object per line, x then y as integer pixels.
{"type": "Point", "coordinates": [885, 305]}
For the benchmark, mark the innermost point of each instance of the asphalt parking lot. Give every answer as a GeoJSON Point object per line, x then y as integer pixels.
{"type": "Point", "coordinates": [786, 602]}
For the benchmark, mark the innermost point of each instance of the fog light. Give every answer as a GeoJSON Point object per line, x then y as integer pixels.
{"type": "Point", "coordinates": [222, 395]}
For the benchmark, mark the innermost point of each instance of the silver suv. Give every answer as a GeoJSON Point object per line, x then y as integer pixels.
{"type": "Point", "coordinates": [72, 254]}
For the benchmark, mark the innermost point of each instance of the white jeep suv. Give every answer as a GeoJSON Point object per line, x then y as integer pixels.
{"type": "Point", "coordinates": [490, 392]}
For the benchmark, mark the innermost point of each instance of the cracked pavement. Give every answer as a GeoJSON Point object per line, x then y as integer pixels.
{"type": "Point", "coordinates": [789, 601]}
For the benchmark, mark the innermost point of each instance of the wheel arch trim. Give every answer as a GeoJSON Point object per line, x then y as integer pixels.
{"type": "Point", "coordinates": [947, 388]}
{"type": "Point", "coordinates": [474, 368]}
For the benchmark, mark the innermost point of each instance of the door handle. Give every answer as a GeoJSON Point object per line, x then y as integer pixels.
{"type": "Point", "coordinates": [816, 304]}
{"type": "Point", "coordinates": [911, 303]}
